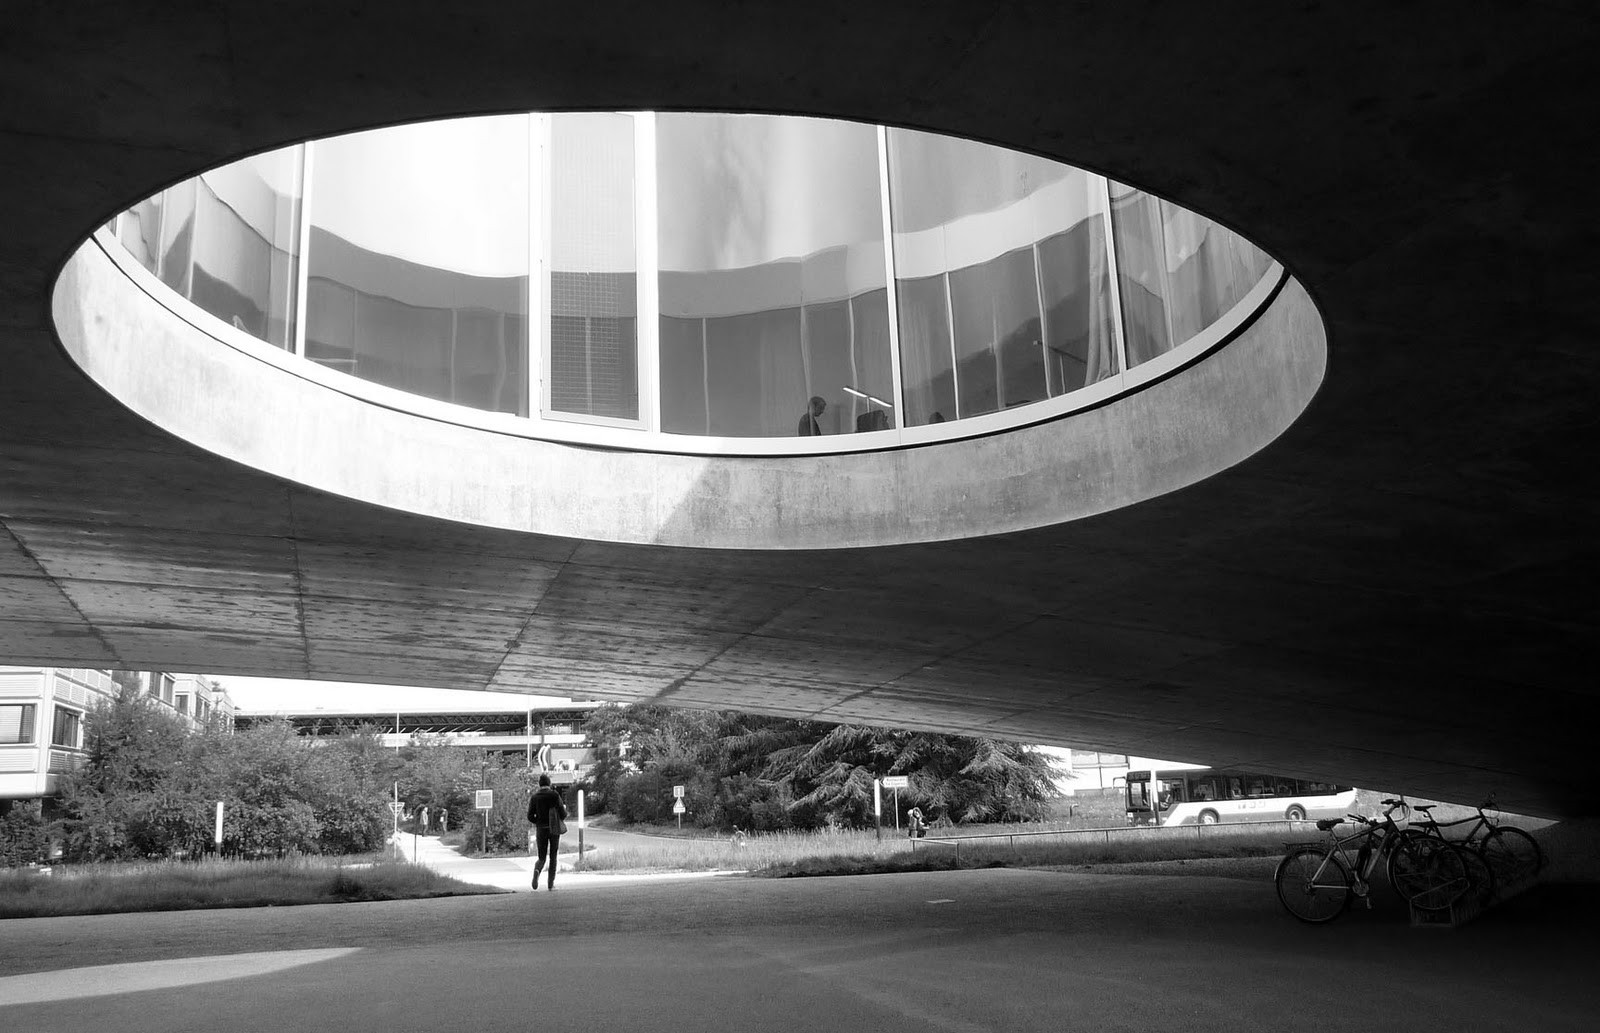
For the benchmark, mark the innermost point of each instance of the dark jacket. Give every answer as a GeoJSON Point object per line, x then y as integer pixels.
{"type": "Point", "coordinates": [545, 800]}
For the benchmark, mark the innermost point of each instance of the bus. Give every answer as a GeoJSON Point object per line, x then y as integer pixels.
{"type": "Point", "coordinates": [1207, 796]}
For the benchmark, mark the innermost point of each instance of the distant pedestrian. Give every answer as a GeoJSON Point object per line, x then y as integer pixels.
{"type": "Point", "coordinates": [547, 813]}
{"type": "Point", "coordinates": [916, 826]}
{"type": "Point", "coordinates": [422, 820]}
{"type": "Point", "coordinates": [444, 821]}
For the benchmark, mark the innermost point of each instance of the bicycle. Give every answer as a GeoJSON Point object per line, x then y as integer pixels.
{"type": "Point", "coordinates": [1316, 882]}
{"type": "Point", "coordinates": [1511, 855]}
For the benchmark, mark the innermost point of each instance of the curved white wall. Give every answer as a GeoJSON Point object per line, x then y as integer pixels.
{"type": "Point", "coordinates": [265, 414]}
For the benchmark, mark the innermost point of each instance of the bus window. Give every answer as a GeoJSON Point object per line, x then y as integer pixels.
{"type": "Point", "coordinates": [1257, 787]}
{"type": "Point", "coordinates": [1235, 789]}
{"type": "Point", "coordinates": [1204, 791]}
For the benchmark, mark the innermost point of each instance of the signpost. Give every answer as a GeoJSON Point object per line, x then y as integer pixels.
{"type": "Point", "coordinates": [877, 805]}
{"type": "Point", "coordinates": [677, 805]}
{"type": "Point", "coordinates": [484, 800]}
{"type": "Point", "coordinates": [897, 783]}
{"type": "Point", "coordinates": [217, 836]}
{"type": "Point", "coordinates": [580, 828]}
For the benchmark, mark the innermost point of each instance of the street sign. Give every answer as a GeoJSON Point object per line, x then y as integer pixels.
{"type": "Point", "coordinates": [897, 781]}
{"type": "Point", "coordinates": [677, 792]}
{"type": "Point", "coordinates": [678, 807]}
{"type": "Point", "coordinates": [485, 799]}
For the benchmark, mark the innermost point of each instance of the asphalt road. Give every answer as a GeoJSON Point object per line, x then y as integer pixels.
{"type": "Point", "coordinates": [949, 951]}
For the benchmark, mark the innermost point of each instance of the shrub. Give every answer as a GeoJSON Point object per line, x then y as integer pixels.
{"type": "Point", "coordinates": [24, 835]}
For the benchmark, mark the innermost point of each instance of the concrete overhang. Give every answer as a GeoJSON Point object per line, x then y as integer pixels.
{"type": "Point", "coordinates": [1396, 592]}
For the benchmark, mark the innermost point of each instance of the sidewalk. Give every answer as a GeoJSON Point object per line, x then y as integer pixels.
{"type": "Point", "coordinates": [516, 873]}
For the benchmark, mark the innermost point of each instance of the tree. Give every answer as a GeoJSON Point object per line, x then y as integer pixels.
{"type": "Point", "coordinates": [149, 788]}
{"type": "Point", "coordinates": [507, 821]}
{"type": "Point", "coordinates": [769, 773]}
{"type": "Point", "coordinates": [433, 773]}
{"type": "Point", "coordinates": [123, 801]}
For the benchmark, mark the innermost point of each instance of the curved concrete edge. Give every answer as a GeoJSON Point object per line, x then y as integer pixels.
{"type": "Point", "coordinates": [1166, 436]}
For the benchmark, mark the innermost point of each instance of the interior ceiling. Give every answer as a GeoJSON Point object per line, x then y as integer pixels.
{"type": "Point", "coordinates": [1399, 593]}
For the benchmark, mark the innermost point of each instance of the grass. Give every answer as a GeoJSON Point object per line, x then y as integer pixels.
{"type": "Point", "coordinates": [788, 854]}
{"type": "Point", "coordinates": [186, 885]}
{"type": "Point", "coordinates": [673, 854]}
{"type": "Point", "coordinates": [1122, 846]}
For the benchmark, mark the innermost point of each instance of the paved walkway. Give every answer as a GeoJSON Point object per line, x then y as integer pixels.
{"type": "Point", "coordinates": [515, 873]}
{"type": "Point", "coordinates": [923, 952]}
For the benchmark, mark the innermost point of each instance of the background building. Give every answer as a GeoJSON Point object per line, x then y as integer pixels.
{"type": "Point", "coordinates": [42, 713]}
{"type": "Point", "coordinates": [542, 732]}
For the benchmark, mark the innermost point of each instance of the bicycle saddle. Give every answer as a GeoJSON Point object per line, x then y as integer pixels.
{"type": "Point", "coordinates": [1324, 824]}
{"type": "Point", "coordinates": [1423, 807]}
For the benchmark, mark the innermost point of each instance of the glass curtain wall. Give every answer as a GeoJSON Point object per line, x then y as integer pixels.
{"type": "Point", "coordinates": [773, 305]}
{"type": "Point", "coordinates": [1003, 283]}
{"type": "Point", "coordinates": [1178, 272]}
{"type": "Point", "coordinates": [773, 309]}
{"type": "Point", "coordinates": [228, 241]}
{"type": "Point", "coordinates": [418, 259]}
{"type": "Point", "coordinates": [593, 352]}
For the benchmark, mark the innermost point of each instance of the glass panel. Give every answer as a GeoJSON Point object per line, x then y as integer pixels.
{"type": "Point", "coordinates": [926, 364]}
{"type": "Point", "coordinates": [1000, 362]}
{"type": "Point", "coordinates": [771, 236]}
{"type": "Point", "coordinates": [683, 376]}
{"type": "Point", "coordinates": [1075, 286]}
{"type": "Point", "coordinates": [65, 728]}
{"type": "Point", "coordinates": [594, 345]}
{"type": "Point", "coordinates": [1141, 272]}
{"type": "Point", "coordinates": [141, 232]}
{"type": "Point", "coordinates": [247, 244]}
{"type": "Point", "coordinates": [16, 723]}
{"type": "Point", "coordinates": [970, 222]}
{"type": "Point", "coordinates": [1209, 268]}
{"type": "Point", "coordinates": [418, 277]}
{"type": "Point", "coordinates": [177, 233]}
{"type": "Point", "coordinates": [873, 363]}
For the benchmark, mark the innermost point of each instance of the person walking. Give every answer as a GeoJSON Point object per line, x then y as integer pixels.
{"type": "Point", "coordinates": [916, 825]}
{"type": "Point", "coordinates": [547, 813]}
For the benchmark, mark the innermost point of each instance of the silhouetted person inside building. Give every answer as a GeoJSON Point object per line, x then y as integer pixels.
{"type": "Point", "coordinates": [872, 419]}
{"type": "Point", "coordinates": [809, 427]}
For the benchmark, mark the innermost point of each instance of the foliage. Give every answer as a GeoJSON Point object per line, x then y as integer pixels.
{"type": "Point", "coordinates": [149, 788]}
{"type": "Point", "coordinates": [24, 835]}
{"type": "Point", "coordinates": [437, 775]}
{"type": "Point", "coordinates": [769, 774]}
{"type": "Point", "coordinates": [508, 821]}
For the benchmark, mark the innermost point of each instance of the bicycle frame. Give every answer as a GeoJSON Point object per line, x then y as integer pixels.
{"type": "Point", "coordinates": [1429, 825]}
{"type": "Point", "coordinates": [1376, 837]}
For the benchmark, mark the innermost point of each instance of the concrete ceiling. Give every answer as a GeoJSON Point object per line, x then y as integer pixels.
{"type": "Point", "coordinates": [1399, 592]}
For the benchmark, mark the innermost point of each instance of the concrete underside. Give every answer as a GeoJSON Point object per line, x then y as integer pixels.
{"type": "Point", "coordinates": [1399, 592]}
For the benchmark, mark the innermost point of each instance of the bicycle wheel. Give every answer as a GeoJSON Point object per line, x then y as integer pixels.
{"type": "Point", "coordinates": [1429, 873]}
{"type": "Point", "coordinates": [1313, 884]}
{"type": "Point", "coordinates": [1479, 873]}
{"type": "Point", "coordinates": [1512, 854]}
{"type": "Point", "coordinates": [1480, 877]}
